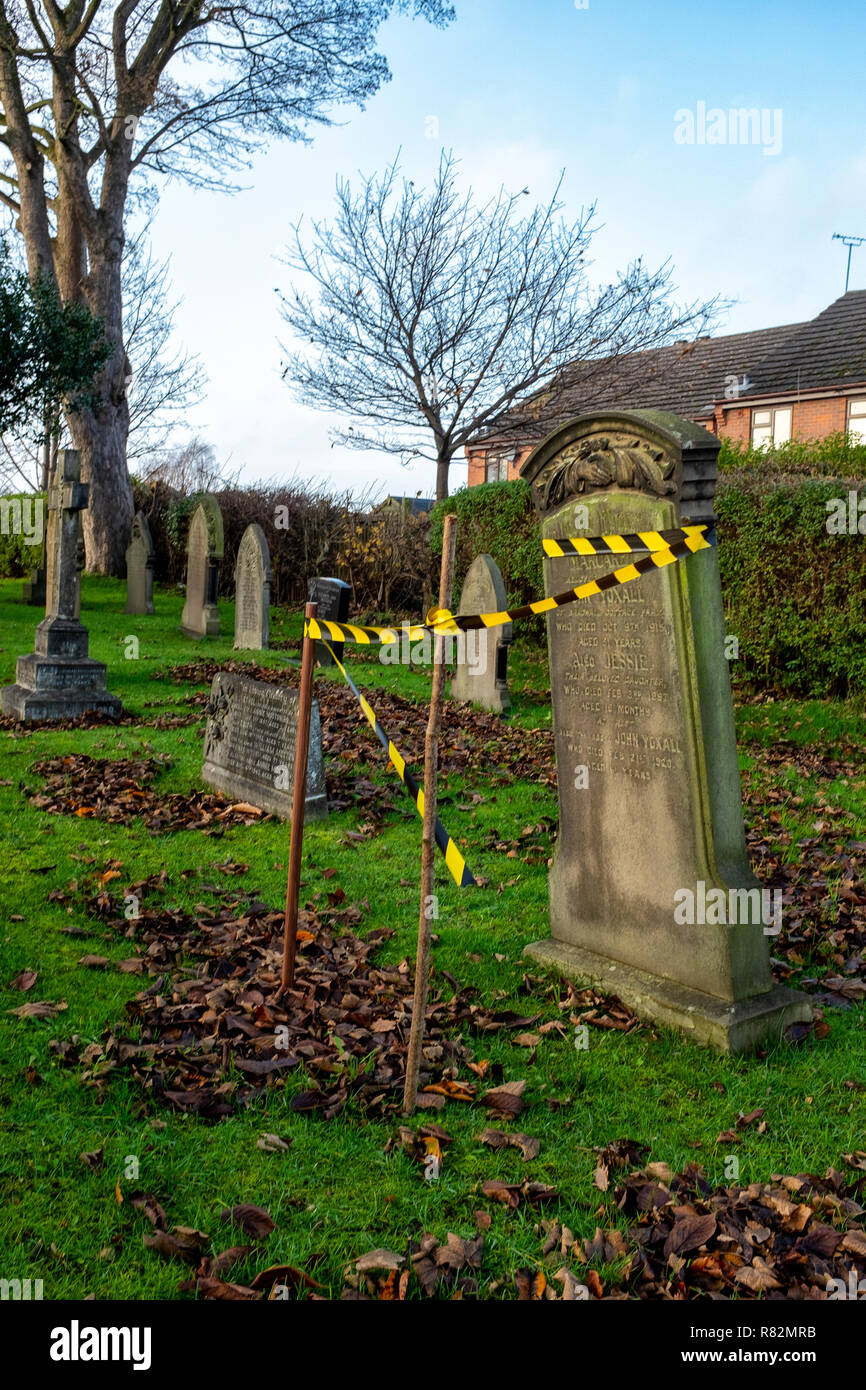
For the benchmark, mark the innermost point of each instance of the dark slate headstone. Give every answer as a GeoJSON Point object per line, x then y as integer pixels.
{"type": "Point", "coordinates": [139, 568]}
{"type": "Point", "coordinates": [482, 653]}
{"type": "Point", "coordinates": [649, 793]}
{"type": "Point", "coordinates": [204, 548]}
{"type": "Point", "coordinates": [252, 591]}
{"type": "Point", "coordinates": [249, 746]}
{"type": "Point", "coordinates": [332, 597]}
{"type": "Point", "coordinates": [58, 680]}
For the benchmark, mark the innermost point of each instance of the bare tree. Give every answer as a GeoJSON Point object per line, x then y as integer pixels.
{"type": "Point", "coordinates": [188, 467]}
{"type": "Point", "coordinates": [431, 315]}
{"type": "Point", "coordinates": [93, 93]}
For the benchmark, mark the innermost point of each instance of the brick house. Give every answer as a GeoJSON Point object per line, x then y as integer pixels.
{"type": "Point", "coordinates": [799, 381]}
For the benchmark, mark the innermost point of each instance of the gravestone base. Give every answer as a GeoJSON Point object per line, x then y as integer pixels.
{"type": "Point", "coordinates": [718, 1023]}
{"type": "Point", "coordinates": [58, 680]}
{"type": "Point", "coordinates": [67, 702]}
{"type": "Point", "coordinates": [276, 803]}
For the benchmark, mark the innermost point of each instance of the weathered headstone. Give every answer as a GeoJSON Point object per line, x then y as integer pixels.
{"type": "Point", "coordinates": [249, 746]}
{"type": "Point", "coordinates": [59, 680]}
{"type": "Point", "coordinates": [252, 591]}
{"type": "Point", "coordinates": [139, 568]}
{"type": "Point", "coordinates": [204, 549]}
{"type": "Point", "coordinates": [649, 795]}
{"type": "Point", "coordinates": [482, 654]}
{"type": "Point", "coordinates": [332, 597]}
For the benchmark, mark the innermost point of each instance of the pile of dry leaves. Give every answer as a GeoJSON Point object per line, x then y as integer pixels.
{"type": "Point", "coordinates": [210, 1033]}
{"type": "Point", "coordinates": [118, 790]}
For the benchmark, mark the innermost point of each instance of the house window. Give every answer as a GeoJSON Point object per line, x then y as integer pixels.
{"type": "Point", "coordinates": [857, 421]}
{"type": "Point", "coordinates": [496, 469]}
{"type": "Point", "coordinates": [771, 426]}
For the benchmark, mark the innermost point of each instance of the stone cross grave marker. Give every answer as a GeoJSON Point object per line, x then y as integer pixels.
{"type": "Point", "coordinates": [482, 654]}
{"type": "Point", "coordinates": [249, 746]}
{"type": "Point", "coordinates": [204, 550]}
{"type": "Point", "coordinates": [332, 596]}
{"type": "Point", "coordinates": [139, 568]}
{"type": "Point", "coordinates": [252, 591]}
{"type": "Point", "coordinates": [59, 680]}
{"type": "Point", "coordinates": [649, 795]}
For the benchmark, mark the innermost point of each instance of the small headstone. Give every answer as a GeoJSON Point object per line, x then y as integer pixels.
{"type": "Point", "coordinates": [332, 597]}
{"type": "Point", "coordinates": [204, 550]}
{"type": "Point", "coordinates": [59, 680]}
{"type": "Point", "coordinates": [33, 589]}
{"type": "Point", "coordinates": [139, 568]}
{"type": "Point", "coordinates": [650, 814]}
{"type": "Point", "coordinates": [482, 654]}
{"type": "Point", "coordinates": [249, 746]}
{"type": "Point", "coordinates": [252, 591]}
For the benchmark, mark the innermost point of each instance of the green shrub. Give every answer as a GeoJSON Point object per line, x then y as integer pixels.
{"type": "Point", "coordinates": [834, 456]}
{"type": "Point", "coordinates": [794, 593]}
{"type": "Point", "coordinates": [499, 519]}
{"type": "Point", "coordinates": [16, 556]}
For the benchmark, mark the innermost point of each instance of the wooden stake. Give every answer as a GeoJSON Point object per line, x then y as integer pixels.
{"type": "Point", "coordinates": [428, 840]}
{"type": "Point", "coordinates": [299, 797]}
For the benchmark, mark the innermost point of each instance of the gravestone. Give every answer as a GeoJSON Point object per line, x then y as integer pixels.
{"type": "Point", "coordinates": [204, 549]}
{"type": "Point", "coordinates": [33, 590]}
{"type": "Point", "coordinates": [252, 591]}
{"type": "Point", "coordinates": [249, 746]}
{"type": "Point", "coordinates": [139, 568]}
{"type": "Point", "coordinates": [59, 680]}
{"type": "Point", "coordinates": [482, 654]}
{"type": "Point", "coordinates": [649, 794]}
{"type": "Point", "coordinates": [332, 597]}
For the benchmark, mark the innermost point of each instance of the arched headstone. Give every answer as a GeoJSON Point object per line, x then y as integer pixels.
{"type": "Point", "coordinates": [204, 550]}
{"type": "Point", "coordinates": [482, 653]}
{"type": "Point", "coordinates": [252, 591]}
{"type": "Point", "coordinates": [139, 568]}
{"type": "Point", "coordinates": [650, 815]}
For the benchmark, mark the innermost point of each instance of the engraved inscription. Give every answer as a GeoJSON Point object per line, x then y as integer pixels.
{"type": "Point", "coordinates": [618, 705]}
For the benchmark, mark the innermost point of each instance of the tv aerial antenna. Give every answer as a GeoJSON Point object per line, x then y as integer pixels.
{"type": "Point", "coordinates": [850, 242]}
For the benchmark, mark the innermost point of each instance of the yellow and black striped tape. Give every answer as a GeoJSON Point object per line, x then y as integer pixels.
{"type": "Point", "coordinates": [453, 858]}
{"type": "Point", "coordinates": [322, 628]}
{"type": "Point", "coordinates": [621, 545]}
{"type": "Point", "coordinates": [443, 621]}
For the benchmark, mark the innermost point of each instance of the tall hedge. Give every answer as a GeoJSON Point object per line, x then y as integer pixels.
{"type": "Point", "coordinates": [794, 594]}
{"type": "Point", "coordinates": [385, 557]}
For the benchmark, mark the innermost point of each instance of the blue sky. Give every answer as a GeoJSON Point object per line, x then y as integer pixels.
{"type": "Point", "coordinates": [521, 91]}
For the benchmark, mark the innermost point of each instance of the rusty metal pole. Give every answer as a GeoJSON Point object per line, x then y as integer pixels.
{"type": "Point", "coordinates": [299, 796]}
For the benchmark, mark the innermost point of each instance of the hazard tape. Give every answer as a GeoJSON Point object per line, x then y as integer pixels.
{"type": "Point", "coordinates": [443, 621]}
{"type": "Point", "coordinates": [621, 545]}
{"type": "Point", "coordinates": [453, 858]}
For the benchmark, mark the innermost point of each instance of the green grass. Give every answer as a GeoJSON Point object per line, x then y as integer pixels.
{"type": "Point", "coordinates": [336, 1192]}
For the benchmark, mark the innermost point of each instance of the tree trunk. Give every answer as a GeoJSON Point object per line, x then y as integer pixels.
{"type": "Point", "coordinates": [101, 434]}
{"type": "Point", "coordinates": [442, 466]}
{"type": "Point", "coordinates": [101, 437]}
